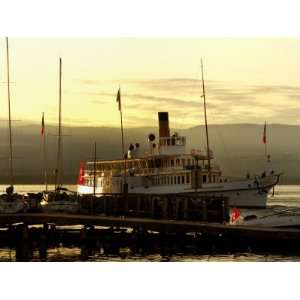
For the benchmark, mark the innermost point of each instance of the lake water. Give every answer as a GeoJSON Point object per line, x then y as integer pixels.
{"type": "Point", "coordinates": [288, 195]}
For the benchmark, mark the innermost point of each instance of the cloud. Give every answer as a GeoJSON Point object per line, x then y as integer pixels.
{"type": "Point", "coordinates": [226, 102]}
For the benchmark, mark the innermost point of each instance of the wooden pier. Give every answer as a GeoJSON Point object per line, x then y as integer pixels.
{"type": "Point", "coordinates": [140, 223]}
{"type": "Point", "coordinates": [165, 226]}
{"type": "Point", "coordinates": [26, 232]}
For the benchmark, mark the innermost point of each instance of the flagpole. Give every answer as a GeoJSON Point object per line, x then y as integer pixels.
{"type": "Point", "coordinates": [206, 127]}
{"type": "Point", "coordinates": [265, 139]}
{"type": "Point", "coordinates": [266, 150]}
{"type": "Point", "coordinates": [45, 154]}
{"type": "Point", "coordinates": [122, 135]}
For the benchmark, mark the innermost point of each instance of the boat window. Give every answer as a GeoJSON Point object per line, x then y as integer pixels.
{"type": "Point", "coordinates": [157, 163]}
{"type": "Point", "coordinates": [187, 178]}
{"type": "Point", "coordinates": [172, 162]}
{"type": "Point", "coordinates": [177, 162]}
{"type": "Point", "coordinates": [204, 178]}
{"type": "Point", "coordinates": [151, 164]}
{"type": "Point", "coordinates": [178, 179]}
{"type": "Point", "coordinates": [175, 180]}
{"type": "Point", "coordinates": [182, 179]}
{"type": "Point", "coordinates": [168, 180]}
{"type": "Point", "coordinates": [171, 178]}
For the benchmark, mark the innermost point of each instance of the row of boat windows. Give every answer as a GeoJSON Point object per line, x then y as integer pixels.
{"type": "Point", "coordinates": [172, 179]}
{"type": "Point", "coordinates": [178, 179]}
{"type": "Point", "coordinates": [99, 182]}
{"type": "Point", "coordinates": [162, 163]}
{"type": "Point", "coordinates": [158, 180]}
{"type": "Point", "coordinates": [152, 163]}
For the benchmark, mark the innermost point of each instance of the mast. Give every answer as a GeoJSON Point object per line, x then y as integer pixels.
{"type": "Point", "coordinates": [206, 127]}
{"type": "Point", "coordinates": [125, 187]}
{"type": "Point", "coordinates": [121, 117]}
{"type": "Point", "coordinates": [95, 166]}
{"type": "Point", "coordinates": [45, 154]}
{"type": "Point", "coordinates": [11, 177]}
{"type": "Point", "coordinates": [59, 159]}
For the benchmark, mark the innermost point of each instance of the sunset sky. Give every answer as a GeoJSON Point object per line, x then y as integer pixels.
{"type": "Point", "coordinates": [248, 80]}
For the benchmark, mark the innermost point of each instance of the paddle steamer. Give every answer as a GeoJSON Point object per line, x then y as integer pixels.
{"type": "Point", "coordinates": [167, 168]}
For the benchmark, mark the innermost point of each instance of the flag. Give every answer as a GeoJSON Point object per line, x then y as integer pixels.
{"type": "Point", "coordinates": [119, 99]}
{"type": "Point", "coordinates": [43, 125]}
{"type": "Point", "coordinates": [264, 138]}
{"type": "Point", "coordinates": [80, 180]}
{"type": "Point", "coordinates": [235, 214]}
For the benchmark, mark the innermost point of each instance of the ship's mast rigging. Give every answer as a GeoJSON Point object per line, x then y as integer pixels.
{"type": "Point", "coordinates": [206, 127]}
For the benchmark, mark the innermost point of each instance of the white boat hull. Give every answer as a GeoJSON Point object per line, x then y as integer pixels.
{"type": "Point", "coordinates": [269, 217]}
{"type": "Point", "coordinates": [244, 193]}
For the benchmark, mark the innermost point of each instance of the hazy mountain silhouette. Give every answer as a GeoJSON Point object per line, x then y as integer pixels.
{"type": "Point", "coordinates": [237, 148]}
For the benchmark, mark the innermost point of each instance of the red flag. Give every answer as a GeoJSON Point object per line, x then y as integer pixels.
{"type": "Point", "coordinates": [81, 174]}
{"type": "Point", "coordinates": [264, 138]}
{"type": "Point", "coordinates": [119, 99]}
{"type": "Point", "coordinates": [235, 214]}
{"type": "Point", "coordinates": [43, 125]}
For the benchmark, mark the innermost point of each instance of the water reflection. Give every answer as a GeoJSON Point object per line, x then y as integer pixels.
{"type": "Point", "coordinates": [70, 254]}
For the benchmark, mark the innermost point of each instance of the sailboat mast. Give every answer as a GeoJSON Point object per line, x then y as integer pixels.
{"type": "Point", "coordinates": [206, 127]}
{"type": "Point", "coordinates": [11, 179]}
{"type": "Point", "coordinates": [95, 168]}
{"type": "Point", "coordinates": [45, 154]}
{"type": "Point", "coordinates": [58, 161]}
